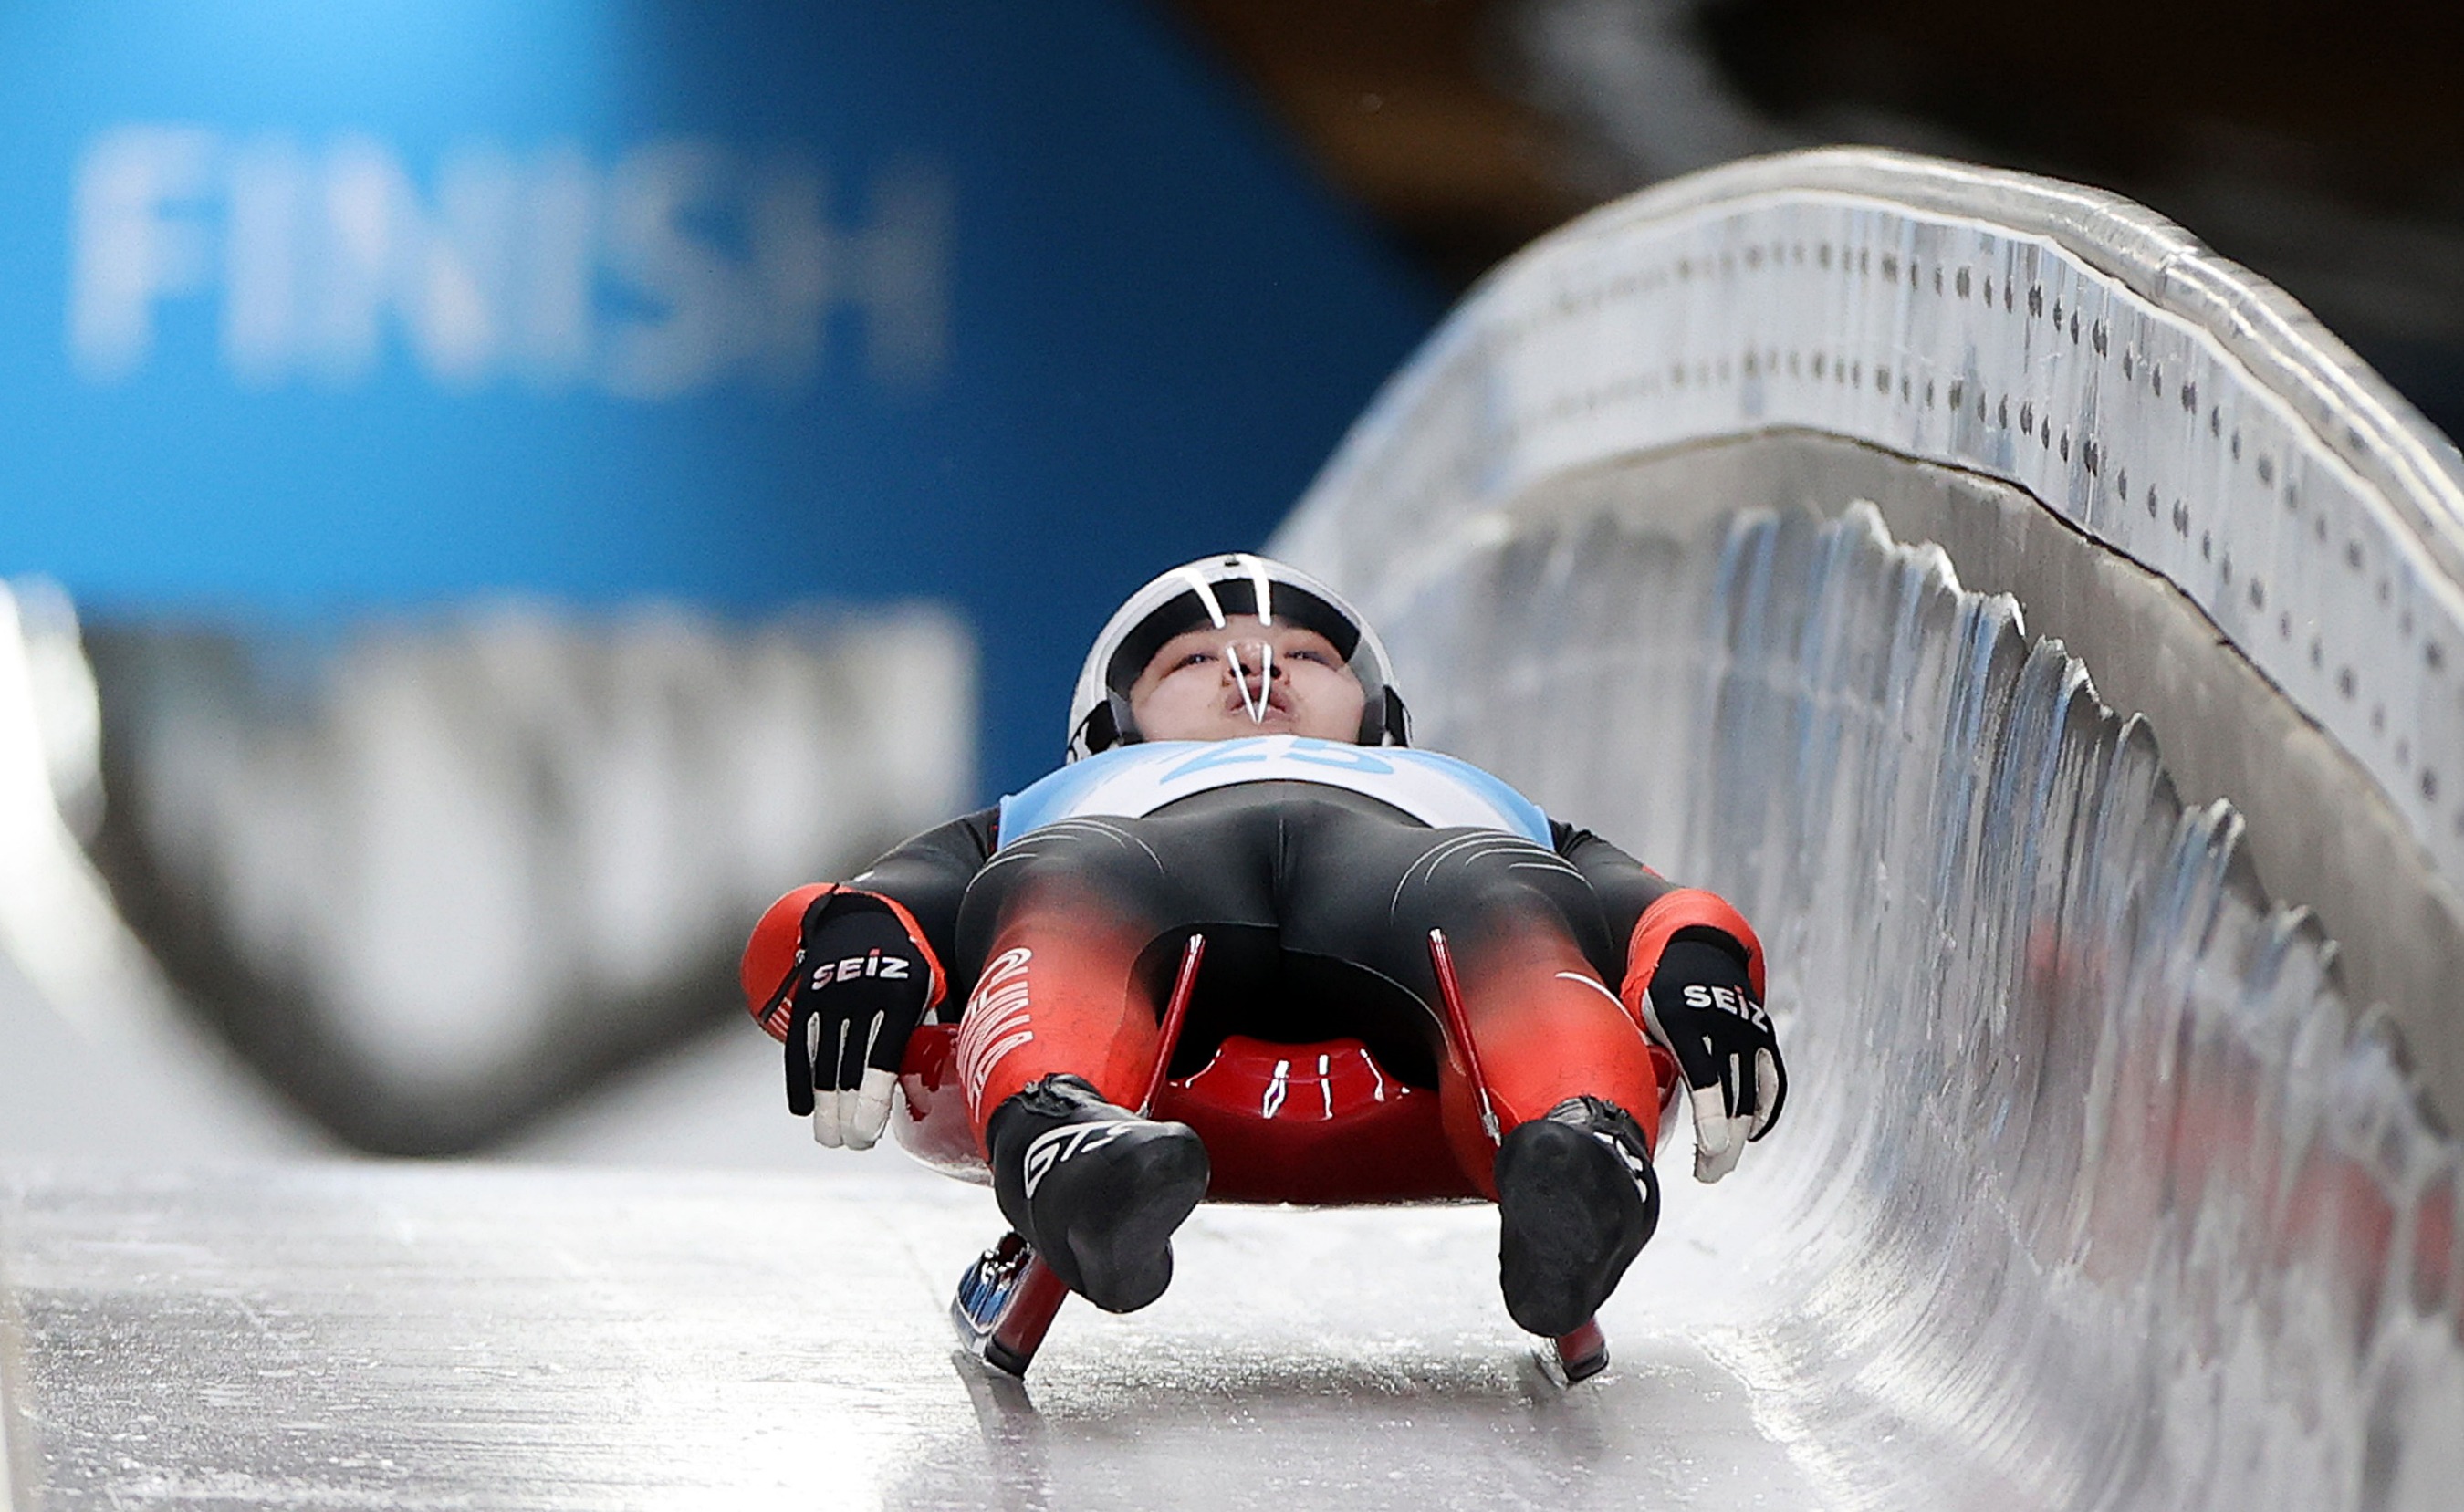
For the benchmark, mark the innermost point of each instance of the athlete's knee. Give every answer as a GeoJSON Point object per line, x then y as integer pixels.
{"type": "Point", "coordinates": [1467, 877]}
{"type": "Point", "coordinates": [1094, 842]}
{"type": "Point", "coordinates": [1096, 859]}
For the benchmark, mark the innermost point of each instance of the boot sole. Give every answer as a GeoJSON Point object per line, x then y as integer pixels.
{"type": "Point", "coordinates": [1570, 1221]}
{"type": "Point", "coordinates": [1122, 1250]}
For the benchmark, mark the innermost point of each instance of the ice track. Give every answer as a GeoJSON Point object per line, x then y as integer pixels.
{"type": "Point", "coordinates": [2038, 627]}
{"type": "Point", "coordinates": [528, 1339]}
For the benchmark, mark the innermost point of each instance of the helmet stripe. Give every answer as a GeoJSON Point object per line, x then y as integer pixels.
{"type": "Point", "coordinates": [1261, 592]}
{"type": "Point", "coordinates": [1205, 592]}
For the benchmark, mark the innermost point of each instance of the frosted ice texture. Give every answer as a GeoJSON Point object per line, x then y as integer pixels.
{"type": "Point", "coordinates": [2089, 1194]}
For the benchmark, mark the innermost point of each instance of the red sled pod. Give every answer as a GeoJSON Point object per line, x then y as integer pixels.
{"type": "Point", "coordinates": [1317, 1125]}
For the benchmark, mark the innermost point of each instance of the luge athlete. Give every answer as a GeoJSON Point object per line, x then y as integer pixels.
{"type": "Point", "coordinates": [1238, 766]}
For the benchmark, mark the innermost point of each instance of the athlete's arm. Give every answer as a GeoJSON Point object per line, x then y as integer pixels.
{"type": "Point", "coordinates": [928, 875]}
{"type": "Point", "coordinates": [1624, 885]}
{"type": "Point", "coordinates": [1693, 977]}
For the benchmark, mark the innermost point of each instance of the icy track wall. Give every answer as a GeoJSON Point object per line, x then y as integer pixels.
{"type": "Point", "coordinates": [2095, 1188]}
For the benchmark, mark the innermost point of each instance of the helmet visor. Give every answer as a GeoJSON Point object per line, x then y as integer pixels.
{"type": "Point", "coordinates": [1194, 610]}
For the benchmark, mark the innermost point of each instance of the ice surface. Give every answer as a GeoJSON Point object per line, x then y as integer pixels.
{"type": "Point", "coordinates": [394, 1336]}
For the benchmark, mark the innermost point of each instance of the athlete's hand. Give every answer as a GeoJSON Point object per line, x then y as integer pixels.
{"type": "Point", "coordinates": [1701, 1003]}
{"type": "Point", "coordinates": [861, 987]}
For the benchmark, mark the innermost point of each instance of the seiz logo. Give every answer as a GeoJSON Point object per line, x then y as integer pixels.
{"type": "Point", "coordinates": [1698, 996]}
{"type": "Point", "coordinates": [888, 968]}
{"type": "Point", "coordinates": [1055, 1146]}
{"type": "Point", "coordinates": [1727, 999]}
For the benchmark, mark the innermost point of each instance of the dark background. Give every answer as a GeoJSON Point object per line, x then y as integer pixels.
{"type": "Point", "coordinates": [2321, 146]}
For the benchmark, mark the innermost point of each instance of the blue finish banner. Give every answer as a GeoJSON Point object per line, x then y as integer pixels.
{"type": "Point", "coordinates": [315, 309]}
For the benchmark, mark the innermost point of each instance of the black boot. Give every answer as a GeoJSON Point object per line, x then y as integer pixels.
{"type": "Point", "coordinates": [1096, 1189]}
{"type": "Point", "coordinates": [1577, 1201]}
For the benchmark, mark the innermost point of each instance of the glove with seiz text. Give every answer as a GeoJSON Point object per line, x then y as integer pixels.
{"type": "Point", "coordinates": [1701, 1003]}
{"type": "Point", "coordinates": [862, 985]}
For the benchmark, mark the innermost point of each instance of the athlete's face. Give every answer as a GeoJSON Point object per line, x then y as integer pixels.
{"type": "Point", "coordinates": [1250, 678]}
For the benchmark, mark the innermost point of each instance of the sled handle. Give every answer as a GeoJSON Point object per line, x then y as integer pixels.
{"type": "Point", "coordinates": [1175, 1014]}
{"type": "Point", "coordinates": [1450, 990]}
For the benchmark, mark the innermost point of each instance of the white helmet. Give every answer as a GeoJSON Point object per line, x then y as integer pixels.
{"type": "Point", "coordinates": [1208, 591]}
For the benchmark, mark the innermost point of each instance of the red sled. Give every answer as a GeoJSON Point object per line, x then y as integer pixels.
{"type": "Point", "coordinates": [1318, 1125]}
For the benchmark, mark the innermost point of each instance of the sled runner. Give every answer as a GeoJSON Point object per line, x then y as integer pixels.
{"type": "Point", "coordinates": [1313, 1125]}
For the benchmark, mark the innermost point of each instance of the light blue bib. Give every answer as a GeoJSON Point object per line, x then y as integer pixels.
{"type": "Point", "coordinates": [1130, 781]}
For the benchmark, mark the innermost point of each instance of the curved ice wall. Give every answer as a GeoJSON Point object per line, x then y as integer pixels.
{"type": "Point", "coordinates": [1775, 522]}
